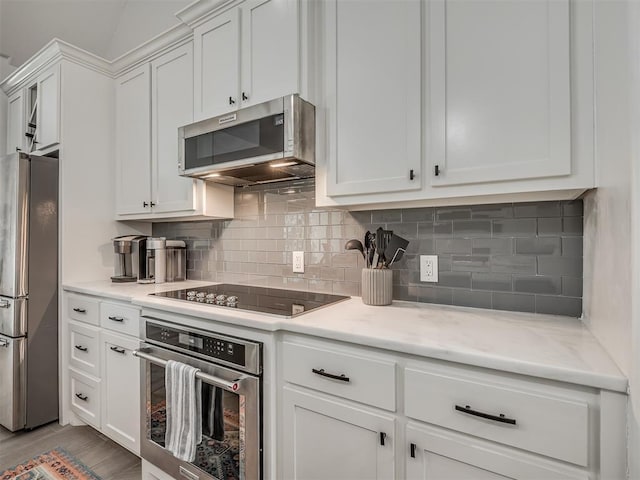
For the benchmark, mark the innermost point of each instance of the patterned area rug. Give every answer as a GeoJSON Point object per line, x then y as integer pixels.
{"type": "Point", "coordinates": [57, 464]}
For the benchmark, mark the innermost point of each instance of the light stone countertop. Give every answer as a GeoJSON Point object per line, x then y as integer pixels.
{"type": "Point", "coordinates": [545, 346]}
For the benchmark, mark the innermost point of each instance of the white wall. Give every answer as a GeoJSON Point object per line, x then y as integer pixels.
{"type": "Point", "coordinates": [607, 233]}
{"type": "Point", "coordinates": [634, 377]}
{"type": "Point", "coordinates": [141, 21]}
{"type": "Point", "coordinates": [609, 268]}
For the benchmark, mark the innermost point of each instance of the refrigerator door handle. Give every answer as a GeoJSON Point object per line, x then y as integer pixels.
{"type": "Point", "coordinates": [4, 304]}
{"type": "Point", "coordinates": [4, 342]}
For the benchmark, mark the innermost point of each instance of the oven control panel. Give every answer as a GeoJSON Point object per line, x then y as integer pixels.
{"type": "Point", "coordinates": [212, 346]}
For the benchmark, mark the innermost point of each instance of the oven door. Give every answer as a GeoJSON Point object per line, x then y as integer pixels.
{"type": "Point", "coordinates": [231, 446]}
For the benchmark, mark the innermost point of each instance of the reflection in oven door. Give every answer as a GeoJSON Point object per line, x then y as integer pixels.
{"type": "Point", "coordinates": [219, 452]}
{"type": "Point", "coordinates": [231, 446]}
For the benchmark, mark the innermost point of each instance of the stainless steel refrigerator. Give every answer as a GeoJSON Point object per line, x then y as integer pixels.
{"type": "Point", "coordinates": [28, 291]}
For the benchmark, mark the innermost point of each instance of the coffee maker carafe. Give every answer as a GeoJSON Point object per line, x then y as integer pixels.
{"type": "Point", "coordinates": [155, 260]}
{"type": "Point", "coordinates": [129, 252]}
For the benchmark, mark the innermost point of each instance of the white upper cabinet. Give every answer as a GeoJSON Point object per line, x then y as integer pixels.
{"type": "Point", "coordinates": [33, 114]}
{"type": "Point", "coordinates": [48, 109]}
{"type": "Point", "coordinates": [373, 92]}
{"type": "Point", "coordinates": [217, 66]}
{"type": "Point", "coordinates": [499, 90]}
{"type": "Point", "coordinates": [483, 100]}
{"type": "Point", "coordinates": [246, 55]}
{"type": "Point", "coordinates": [269, 50]}
{"type": "Point", "coordinates": [133, 141]}
{"type": "Point", "coordinates": [171, 104]}
{"type": "Point", "coordinates": [153, 101]}
{"type": "Point", "coordinates": [15, 123]}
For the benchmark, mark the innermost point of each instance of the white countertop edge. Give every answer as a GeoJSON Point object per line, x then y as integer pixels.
{"type": "Point", "coordinates": [274, 323]}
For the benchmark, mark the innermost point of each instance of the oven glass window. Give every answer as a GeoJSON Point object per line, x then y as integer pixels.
{"type": "Point", "coordinates": [251, 139]}
{"type": "Point", "coordinates": [219, 453]}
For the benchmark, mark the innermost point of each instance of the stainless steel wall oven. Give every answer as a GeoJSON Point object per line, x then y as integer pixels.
{"type": "Point", "coordinates": [231, 374]}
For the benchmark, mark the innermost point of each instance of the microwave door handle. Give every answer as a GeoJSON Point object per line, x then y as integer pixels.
{"type": "Point", "coordinates": [232, 386]}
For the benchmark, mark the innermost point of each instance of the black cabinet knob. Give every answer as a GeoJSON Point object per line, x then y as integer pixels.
{"type": "Point", "coordinates": [244, 96]}
{"type": "Point", "coordinates": [231, 101]}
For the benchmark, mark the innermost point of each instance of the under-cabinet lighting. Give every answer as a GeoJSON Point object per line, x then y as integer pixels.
{"type": "Point", "coordinates": [283, 164]}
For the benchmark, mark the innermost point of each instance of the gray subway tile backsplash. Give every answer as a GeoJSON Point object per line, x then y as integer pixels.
{"type": "Point", "coordinates": [519, 257]}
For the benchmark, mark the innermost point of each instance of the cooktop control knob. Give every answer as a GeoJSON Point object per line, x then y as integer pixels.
{"type": "Point", "coordinates": [191, 293]}
{"type": "Point", "coordinates": [232, 301]}
{"type": "Point", "coordinates": [221, 299]}
{"type": "Point", "coordinates": [200, 295]}
{"type": "Point", "coordinates": [210, 296]}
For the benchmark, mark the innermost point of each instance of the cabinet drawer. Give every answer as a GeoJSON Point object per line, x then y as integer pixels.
{"type": "Point", "coordinates": [363, 379]}
{"type": "Point", "coordinates": [85, 397]}
{"type": "Point", "coordinates": [120, 318]}
{"type": "Point", "coordinates": [531, 417]}
{"type": "Point", "coordinates": [83, 309]}
{"type": "Point", "coordinates": [84, 352]}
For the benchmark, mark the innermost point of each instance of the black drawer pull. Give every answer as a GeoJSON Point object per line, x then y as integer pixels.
{"type": "Point", "coordinates": [118, 350]}
{"type": "Point", "coordinates": [81, 348]}
{"type": "Point", "coordinates": [117, 319]}
{"type": "Point", "coordinates": [84, 398]}
{"type": "Point", "coordinates": [383, 436]}
{"type": "Point", "coordinates": [496, 418]}
{"type": "Point", "coordinates": [342, 377]}
{"type": "Point", "coordinates": [80, 310]}
{"type": "Point", "coordinates": [412, 450]}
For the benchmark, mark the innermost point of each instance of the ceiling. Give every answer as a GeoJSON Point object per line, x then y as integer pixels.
{"type": "Point", "coordinates": [107, 28]}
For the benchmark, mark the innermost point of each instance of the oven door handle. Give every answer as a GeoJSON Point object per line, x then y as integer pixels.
{"type": "Point", "coordinates": [232, 386]}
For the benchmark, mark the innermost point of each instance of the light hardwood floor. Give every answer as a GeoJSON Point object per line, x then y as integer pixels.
{"type": "Point", "coordinates": [106, 458]}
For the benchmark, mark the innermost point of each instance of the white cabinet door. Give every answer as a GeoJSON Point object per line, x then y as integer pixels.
{"type": "Point", "coordinates": [437, 454]}
{"type": "Point", "coordinates": [328, 438]}
{"type": "Point", "coordinates": [15, 123]}
{"type": "Point", "coordinates": [373, 93]}
{"type": "Point", "coordinates": [48, 112]}
{"type": "Point", "coordinates": [270, 50]}
{"type": "Point", "coordinates": [121, 390]}
{"type": "Point", "coordinates": [171, 107]}
{"type": "Point", "coordinates": [216, 45]}
{"type": "Point", "coordinates": [499, 90]}
{"type": "Point", "coordinates": [133, 141]}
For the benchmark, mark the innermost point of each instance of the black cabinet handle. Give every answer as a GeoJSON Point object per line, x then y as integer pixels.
{"type": "Point", "coordinates": [117, 319]}
{"type": "Point", "coordinates": [153, 204]}
{"type": "Point", "coordinates": [231, 101]}
{"type": "Point", "coordinates": [412, 450]}
{"type": "Point", "coordinates": [84, 398]}
{"type": "Point", "coordinates": [411, 175]}
{"type": "Point", "coordinates": [383, 436]}
{"type": "Point", "coordinates": [436, 170]}
{"type": "Point", "coordinates": [118, 350]}
{"type": "Point", "coordinates": [18, 149]}
{"type": "Point", "coordinates": [145, 204]}
{"type": "Point", "coordinates": [496, 418]}
{"type": "Point", "coordinates": [342, 377]}
{"type": "Point", "coordinates": [244, 96]}
{"type": "Point", "coordinates": [80, 310]}
{"type": "Point", "coordinates": [81, 348]}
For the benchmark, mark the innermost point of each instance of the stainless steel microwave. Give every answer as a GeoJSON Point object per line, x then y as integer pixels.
{"type": "Point", "coordinates": [268, 142]}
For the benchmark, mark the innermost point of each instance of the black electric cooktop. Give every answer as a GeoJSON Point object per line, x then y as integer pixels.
{"type": "Point", "coordinates": [287, 303]}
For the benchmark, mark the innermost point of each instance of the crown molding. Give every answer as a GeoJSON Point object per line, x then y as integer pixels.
{"type": "Point", "coordinates": [53, 51]}
{"type": "Point", "coordinates": [201, 10]}
{"type": "Point", "coordinates": [173, 37]}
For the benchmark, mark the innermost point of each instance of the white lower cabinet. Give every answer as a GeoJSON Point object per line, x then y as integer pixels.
{"type": "Point", "coordinates": [438, 454]}
{"type": "Point", "coordinates": [354, 412]}
{"type": "Point", "coordinates": [329, 438]}
{"type": "Point", "coordinates": [103, 378]}
{"type": "Point", "coordinates": [121, 385]}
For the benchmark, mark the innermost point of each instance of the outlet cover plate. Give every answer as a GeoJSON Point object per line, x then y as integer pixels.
{"type": "Point", "coordinates": [429, 268]}
{"type": "Point", "coordinates": [298, 262]}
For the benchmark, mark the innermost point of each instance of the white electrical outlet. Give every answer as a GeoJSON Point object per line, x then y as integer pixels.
{"type": "Point", "coordinates": [428, 268]}
{"type": "Point", "coordinates": [298, 262]}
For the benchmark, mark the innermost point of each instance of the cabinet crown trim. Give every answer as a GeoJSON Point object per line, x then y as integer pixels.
{"type": "Point", "coordinates": [202, 10]}
{"type": "Point", "coordinates": [53, 51]}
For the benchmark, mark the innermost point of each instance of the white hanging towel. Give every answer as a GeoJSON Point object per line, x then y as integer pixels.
{"type": "Point", "coordinates": [184, 410]}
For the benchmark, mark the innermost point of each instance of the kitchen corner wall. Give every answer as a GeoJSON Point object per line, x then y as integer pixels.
{"type": "Point", "coordinates": [520, 257]}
